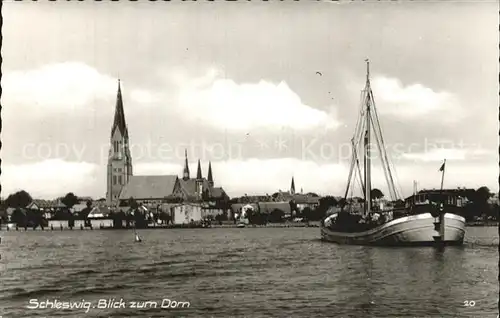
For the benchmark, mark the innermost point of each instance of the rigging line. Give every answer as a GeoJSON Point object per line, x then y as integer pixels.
{"type": "Point", "coordinates": [385, 166]}
{"type": "Point", "coordinates": [388, 162]}
{"type": "Point", "coordinates": [359, 169]}
{"type": "Point", "coordinates": [360, 122]}
{"type": "Point", "coordinates": [357, 132]}
{"type": "Point", "coordinates": [382, 139]}
{"type": "Point", "coordinates": [351, 168]}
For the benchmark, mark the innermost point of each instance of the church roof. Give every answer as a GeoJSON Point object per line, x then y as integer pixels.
{"type": "Point", "coordinates": [185, 173]}
{"type": "Point", "coordinates": [119, 120]}
{"type": "Point", "coordinates": [189, 186]}
{"type": "Point", "coordinates": [209, 177]}
{"type": "Point", "coordinates": [149, 187]}
{"type": "Point", "coordinates": [198, 172]}
{"type": "Point", "coordinates": [217, 192]}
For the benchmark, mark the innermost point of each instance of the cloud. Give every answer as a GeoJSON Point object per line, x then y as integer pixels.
{"type": "Point", "coordinates": [225, 104]}
{"type": "Point", "coordinates": [449, 154]}
{"type": "Point", "coordinates": [55, 177]}
{"type": "Point", "coordinates": [414, 101]}
{"type": "Point", "coordinates": [145, 97]}
{"type": "Point", "coordinates": [56, 87]}
{"type": "Point", "coordinates": [261, 176]}
{"type": "Point", "coordinates": [49, 178]}
{"type": "Point", "coordinates": [159, 168]}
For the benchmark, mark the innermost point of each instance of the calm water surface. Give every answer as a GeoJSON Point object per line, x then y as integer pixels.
{"type": "Point", "coordinates": [250, 272]}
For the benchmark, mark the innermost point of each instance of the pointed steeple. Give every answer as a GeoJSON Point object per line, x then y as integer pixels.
{"type": "Point", "coordinates": [209, 177]}
{"type": "Point", "coordinates": [119, 121]}
{"type": "Point", "coordinates": [185, 174]}
{"type": "Point", "coordinates": [292, 187]}
{"type": "Point", "coordinates": [198, 173]}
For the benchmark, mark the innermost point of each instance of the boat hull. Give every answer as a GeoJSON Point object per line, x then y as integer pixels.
{"type": "Point", "coordinates": [414, 230]}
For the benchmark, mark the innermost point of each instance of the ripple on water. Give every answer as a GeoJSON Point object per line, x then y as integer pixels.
{"type": "Point", "coordinates": [257, 272]}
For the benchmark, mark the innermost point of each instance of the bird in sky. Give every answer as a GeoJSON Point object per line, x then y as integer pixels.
{"type": "Point", "coordinates": [319, 73]}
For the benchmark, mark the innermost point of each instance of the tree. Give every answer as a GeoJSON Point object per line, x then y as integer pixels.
{"type": "Point", "coordinates": [132, 203]}
{"type": "Point", "coordinates": [276, 216]}
{"type": "Point", "coordinates": [18, 217]}
{"type": "Point", "coordinates": [376, 194]}
{"type": "Point", "coordinates": [482, 195]}
{"type": "Point", "coordinates": [293, 208]}
{"type": "Point", "coordinates": [480, 201]}
{"type": "Point", "coordinates": [84, 214]}
{"type": "Point", "coordinates": [20, 199]}
{"type": "Point", "coordinates": [69, 200]}
{"type": "Point", "coordinates": [342, 202]}
{"type": "Point", "coordinates": [328, 201]}
{"type": "Point", "coordinates": [307, 213]}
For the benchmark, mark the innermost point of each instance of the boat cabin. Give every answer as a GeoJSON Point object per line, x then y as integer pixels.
{"type": "Point", "coordinates": [426, 197]}
{"type": "Point", "coordinates": [420, 201]}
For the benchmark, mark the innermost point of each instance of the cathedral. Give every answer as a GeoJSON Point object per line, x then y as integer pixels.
{"type": "Point", "coordinates": [123, 185]}
{"type": "Point", "coordinates": [119, 169]}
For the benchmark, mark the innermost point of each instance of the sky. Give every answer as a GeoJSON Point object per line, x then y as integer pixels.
{"type": "Point", "coordinates": [265, 91]}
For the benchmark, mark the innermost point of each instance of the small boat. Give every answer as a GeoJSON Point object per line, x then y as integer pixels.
{"type": "Point", "coordinates": [137, 238]}
{"type": "Point", "coordinates": [435, 222]}
{"type": "Point", "coordinates": [240, 225]}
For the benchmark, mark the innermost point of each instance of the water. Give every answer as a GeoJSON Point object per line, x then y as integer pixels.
{"type": "Point", "coordinates": [249, 272]}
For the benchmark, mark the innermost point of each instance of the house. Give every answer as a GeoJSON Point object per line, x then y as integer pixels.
{"type": "Point", "coordinates": [186, 213]}
{"type": "Point", "coordinates": [269, 207]}
{"type": "Point", "coordinates": [305, 201]}
{"type": "Point", "coordinates": [79, 207]}
{"type": "Point", "coordinates": [99, 212]}
{"type": "Point", "coordinates": [237, 207]}
{"type": "Point", "coordinates": [47, 207]}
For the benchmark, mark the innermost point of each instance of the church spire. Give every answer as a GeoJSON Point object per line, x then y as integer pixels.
{"type": "Point", "coordinates": [119, 121]}
{"type": "Point", "coordinates": [292, 187]}
{"type": "Point", "coordinates": [209, 177]}
{"type": "Point", "coordinates": [198, 173]}
{"type": "Point", "coordinates": [185, 174]}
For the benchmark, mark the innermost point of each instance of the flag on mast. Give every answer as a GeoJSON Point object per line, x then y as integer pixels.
{"type": "Point", "coordinates": [442, 166]}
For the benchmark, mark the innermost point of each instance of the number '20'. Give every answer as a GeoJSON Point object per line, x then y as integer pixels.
{"type": "Point", "coordinates": [469, 303]}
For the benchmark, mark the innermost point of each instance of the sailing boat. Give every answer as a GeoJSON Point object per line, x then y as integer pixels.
{"type": "Point", "coordinates": [137, 237]}
{"type": "Point", "coordinates": [430, 224]}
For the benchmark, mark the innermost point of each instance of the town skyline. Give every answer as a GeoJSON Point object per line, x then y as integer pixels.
{"type": "Point", "coordinates": [259, 123]}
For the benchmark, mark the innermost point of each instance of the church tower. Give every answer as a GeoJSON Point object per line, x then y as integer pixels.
{"type": "Point", "coordinates": [199, 180]}
{"type": "Point", "coordinates": [119, 158]}
{"type": "Point", "coordinates": [185, 173]}
{"type": "Point", "coordinates": [292, 187]}
{"type": "Point", "coordinates": [209, 177]}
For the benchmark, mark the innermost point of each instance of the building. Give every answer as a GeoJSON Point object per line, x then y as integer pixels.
{"type": "Point", "coordinates": [200, 188]}
{"type": "Point", "coordinates": [48, 208]}
{"type": "Point", "coordinates": [300, 199]}
{"type": "Point", "coordinates": [119, 169]}
{"type": "Point", "coordinates": [151, 190]}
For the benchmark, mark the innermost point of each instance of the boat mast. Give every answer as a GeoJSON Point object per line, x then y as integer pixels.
{"type": "Point", "coordinates": [368, 203]}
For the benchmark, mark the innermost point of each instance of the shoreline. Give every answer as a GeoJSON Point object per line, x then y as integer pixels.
{"type": "Point", "coordinates": [314, 224]}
